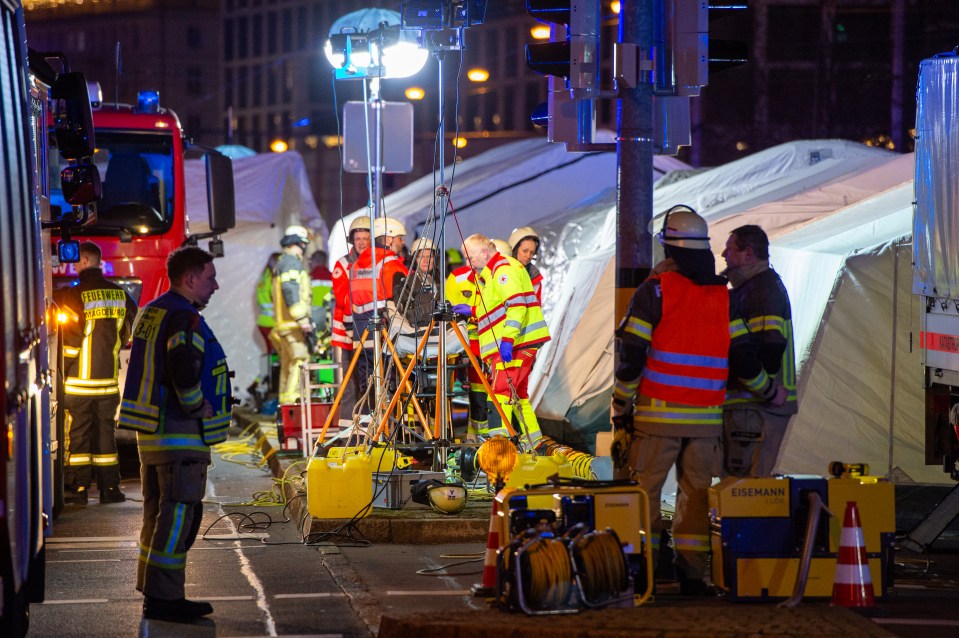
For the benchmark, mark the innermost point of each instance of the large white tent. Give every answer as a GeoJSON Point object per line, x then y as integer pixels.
{"type": "Point", "coordinates": [272, 191]}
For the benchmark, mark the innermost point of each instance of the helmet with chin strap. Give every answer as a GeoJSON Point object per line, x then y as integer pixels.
{"type": "Point", "coordinates": [684, 228]}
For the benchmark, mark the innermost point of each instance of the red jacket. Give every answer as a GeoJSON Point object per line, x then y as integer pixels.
{"type": "Point", "coordinates": [342, 331]}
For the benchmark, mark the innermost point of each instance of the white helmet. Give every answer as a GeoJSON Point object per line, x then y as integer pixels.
{"type": "Point", "coordinates": [360, 223]}
{"type": "Point", "coordinates": [389, 227]}
{"type": "Point", "coordinates": [423, 243]}
{"type": "Point", "coordinates": [519, 234]}
{"type": "Point", "coordinates": [502, 247]}
{"type": "Point", "coordinates": [300, 232]}
{"type": "Point", "coordinates": [684, 228]}
{"type": "Point", "coordinates": [448, 498]}
{"type": "Point", "coordinates": [295, 236]}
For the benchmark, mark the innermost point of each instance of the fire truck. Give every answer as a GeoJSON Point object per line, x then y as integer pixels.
{"type": "Point", "coordinates": [141, 217]}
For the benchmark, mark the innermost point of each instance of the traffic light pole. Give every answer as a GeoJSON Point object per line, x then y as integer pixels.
{"type": "Point", "coordinates": [634, 158]}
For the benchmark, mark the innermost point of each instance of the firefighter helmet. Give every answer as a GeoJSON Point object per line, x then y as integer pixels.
{"type": "Point", "coordinates": [684, 228]}
{"type": "Point", "coordinates": [502, 247]}
{"type": "Point", "coordinates": [519, 234]}
{"type": "Point", "coordinates": [447, 498]}
{"type": "Point", "coordinates": [295, 234]}
{"type": "Point", "coordinates": [360, 223]}
{"type": "Point", "coordinates": [388, 227]}
{"type": "Point", "coordinates": [423, 243]}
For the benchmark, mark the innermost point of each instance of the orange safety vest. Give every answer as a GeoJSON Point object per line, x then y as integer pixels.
{"type": "Point", "coordinates": [362, 282]}
{"type": "Point", "coordinates": [687, 361]}
{"type": "Point", "coordinates": [342, 332]}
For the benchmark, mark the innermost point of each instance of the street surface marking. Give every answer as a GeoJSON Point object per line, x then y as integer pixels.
{"type": "Point", "coordinates": [86, 560]}
{"type": "Point", "coordinates": [332, 594]}
{"type": "Point", "coordinates": [78, 601]}
{"type": "Point", "coordinates": [223, 598]}
{"type": "Point", "coordinates": [58, 540]}
{"type": "Point", "coordinates": [443, 592]}
{"type": "Point", "coordinates": [246, 569]}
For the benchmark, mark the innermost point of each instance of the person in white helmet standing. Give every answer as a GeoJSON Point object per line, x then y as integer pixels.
{"type": "Point", "coordinates": [341, 337]}
{"type": "Point", "coordinates": [292, 304]}
{"type": "Point", "coordinates": [669, 387]}
{"type": "Point", "coordinates": [374, 279]}
{"type": "Point", "coordinates": [524, 245]}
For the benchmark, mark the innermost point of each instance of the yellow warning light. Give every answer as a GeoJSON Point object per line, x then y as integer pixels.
{"type": "Point", "coordinates": [614, 6]}
{"type": "Point", "coordinates": [415, 93]}
{"type": "Point", "coordinates": [540, 32]}
{"type": "Point", "coordinates": [61, 317]}
{"type": "Point", "coordinates": [279, 146]}
{"type": "Point", "coordinates": [477, 75]}
{"type": "Point", "coordinates": [459, 142]}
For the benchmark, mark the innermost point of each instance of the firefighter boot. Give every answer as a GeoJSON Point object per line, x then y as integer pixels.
{"type": "Point", "coordinates": [78, 497]}
{"type": "Point", "coordinates": [112, 495]}
{"type": "Point", "coordinates": [181, 610]}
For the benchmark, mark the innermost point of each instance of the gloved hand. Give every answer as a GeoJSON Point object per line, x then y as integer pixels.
{"type": "Point", "coordinates": [621, 414]}
{"type": "Point", "coordinates": [506, 351]}
{"type": "Point", "coordinates": [463, 309]}
{"type": "Point", "coordinates": [619, 449]}
{"type": "Point", "coordinates": [779, 399]}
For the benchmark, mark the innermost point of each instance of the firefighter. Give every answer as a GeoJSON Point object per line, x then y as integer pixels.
{"type": "Point", "coordinates": [341, 337]}
{"type": "Point", "coordinates": [761, 395]}
{"type": "Point", "coordinates": [178, 399]}
{"type": "Point", "coordinates": [381, 260]}
{"type": "Point", "coordinates": [524, 245]}
{"type": "Point", "coordinates": [510, 327]}
{"type": "Point", "coordinates": [670, 383]}
{"type": "Point", "coordinates": [292, 303]}
{"type": "Point", "coordinates": [100, 317]}
{"type": "Point", "coordinates": [462, 294]}
{"type": "Point", "coordinates": [265, 318]}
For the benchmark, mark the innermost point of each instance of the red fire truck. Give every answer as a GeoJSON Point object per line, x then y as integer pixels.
{"type": "Point", "coordinates": [142, 216]}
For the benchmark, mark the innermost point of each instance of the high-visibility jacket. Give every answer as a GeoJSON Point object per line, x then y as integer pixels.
{"type": "Point", "coordinates": [763, 305]}
{"type": "Point", "coordinates": [100, 317]}
{"type": "Point", "coordinates": [362, 283]}
{"type": "Point", "coordinates": [171, 341]}
{"type": "Point", "coordinates": [342, 333]}
{"type": "Point", "coordinates": [292, 292]}
{"type": "Point", "coordinates": [265, 317]}
{"type": "Point", "coordinates": [461, 288]}
{"type": "Point", "coordinates": [508, 310]}
{"type": "Point", "coordinates": [688, 357]}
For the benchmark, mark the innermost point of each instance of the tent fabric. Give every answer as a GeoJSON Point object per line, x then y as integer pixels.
{"type": "Point", "coordinates": [271, 192]}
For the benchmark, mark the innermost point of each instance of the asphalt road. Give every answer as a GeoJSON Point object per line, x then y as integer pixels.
{"type": "Point", "coordinates": [251, 563]}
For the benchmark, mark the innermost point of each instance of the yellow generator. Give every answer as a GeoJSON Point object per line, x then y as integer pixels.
{"type": "Point", "coordinates": [758, 527]}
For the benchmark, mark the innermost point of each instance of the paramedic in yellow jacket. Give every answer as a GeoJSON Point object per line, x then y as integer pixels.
{"type": "Point", "coordinates": [511, 328]}
{"type": "Point", "coordinates": [461, 291]}
{"type": "Point", "coordinates": [292, 304]}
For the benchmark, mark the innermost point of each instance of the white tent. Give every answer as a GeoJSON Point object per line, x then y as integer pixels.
{"type": "Point", "coordinates": [272, 191]}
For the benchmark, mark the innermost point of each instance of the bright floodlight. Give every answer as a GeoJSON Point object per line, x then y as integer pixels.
{"type": "Point", "coordinates": [363, 32]}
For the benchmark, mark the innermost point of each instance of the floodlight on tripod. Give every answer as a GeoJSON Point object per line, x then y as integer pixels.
{"type": "Point", "coordinates": [369, 43]}
{"type": "Point", "coordinates": [434, 15]}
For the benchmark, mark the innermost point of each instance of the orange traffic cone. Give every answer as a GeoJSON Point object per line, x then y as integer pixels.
{"type": "Point", "coordinates": [487, 589]}
{"type": "Point", "coordinates": [852, 585]}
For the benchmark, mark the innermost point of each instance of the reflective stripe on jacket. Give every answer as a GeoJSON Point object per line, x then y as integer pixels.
{"type": "Point", "coordinates": [461, 288]}
{"type": "Point", "coordinates": [507, 309]}
{"type": "Point", "coordinates": [292, 293]}
{"type": "Point", "coordinates": [342, 330]}
{"type": "Point", "coordinates": [149, 396]}
{"type": "Point", "coordinates": [101, 315]}
{"type": "Point", "coordinates": [687, 362]}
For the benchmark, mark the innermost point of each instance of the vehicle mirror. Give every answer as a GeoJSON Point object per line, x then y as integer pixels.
{"type": "Point", "coordinates": [80, 184]}
{"type": "Point", "coordinates": [220, 192]}
{"type": "Point", "coordinates": [72, 116]}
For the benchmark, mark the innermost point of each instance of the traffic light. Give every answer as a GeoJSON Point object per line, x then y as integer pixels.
{"type": "Point", "coordinates": [684, 53]}
{"type": "Point", "coordinates": [573, 48]}
{"type": "Point", "coordinates": [571, 60]}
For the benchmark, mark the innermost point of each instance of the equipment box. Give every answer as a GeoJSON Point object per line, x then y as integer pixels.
{"type": "Point", "coordinates": [288, 426]}
{"type": "Point", "coordinates": [758, 527]}
{"type": "Point", "coordinates": [392, 489]}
